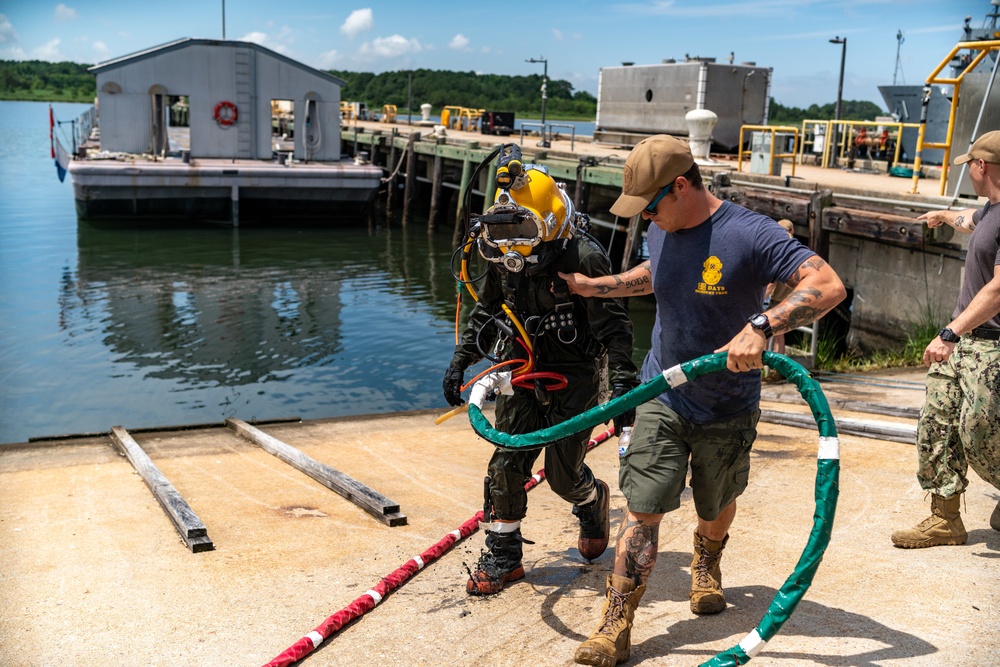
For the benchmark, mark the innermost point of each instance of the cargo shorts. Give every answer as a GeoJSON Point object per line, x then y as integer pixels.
{"type": "Point", "coordinates": [653, 470]}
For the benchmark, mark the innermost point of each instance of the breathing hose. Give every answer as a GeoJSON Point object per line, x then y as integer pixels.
{"type": "Point", "coordinates": [827, 474]}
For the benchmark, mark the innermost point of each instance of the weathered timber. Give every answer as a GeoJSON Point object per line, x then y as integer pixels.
{"type": "Point", "coordinates": [846, 404]}
{"type": "Point", "coordinates": [410, 187]}
{"type": "Point", "coordinates": [869, 429]}
{"type": "Point", "coordinates": [886, 227]}
{"type": "Point", "coordinates": [437, 177]}
{"type": "Point", "coordinates": [819, 238]}
{"type": "Point", "coordinates": [363, 496]}
{"type": "Point", "coordinates": [188, 525]}
{"type": "Point", "coordinates": [774, 204]}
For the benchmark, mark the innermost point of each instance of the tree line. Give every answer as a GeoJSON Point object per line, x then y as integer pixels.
{"type": "Point", "coordinates": [493, 92]}
{"type": "Point", "coordinates": [38, 80]}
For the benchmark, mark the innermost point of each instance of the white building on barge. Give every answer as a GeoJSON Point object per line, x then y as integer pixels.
{"type": "Point", "coordinates": [232, 154]}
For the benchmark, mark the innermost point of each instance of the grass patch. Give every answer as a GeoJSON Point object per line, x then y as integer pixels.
{"type": "Point", "coordinates": [909, 353]}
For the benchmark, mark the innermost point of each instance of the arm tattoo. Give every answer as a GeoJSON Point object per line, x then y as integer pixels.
{"type": "Point", "coordinates": [960, 221]}
{"type": "Point", "coordinates": [640, 545]}
{"type": "Point", "coordinates": [814, 262]}
{"type": "Point", "coordinates": [802, 311]}
{"type": "Point", "coordinates": [634, 281]}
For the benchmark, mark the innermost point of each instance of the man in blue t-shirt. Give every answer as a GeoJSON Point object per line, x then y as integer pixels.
{"type": "Point", "coordinates": [709, 265]}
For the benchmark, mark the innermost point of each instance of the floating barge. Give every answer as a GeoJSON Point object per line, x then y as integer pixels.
{"type": "Point", "coordinates": [239, 102]}
{"type": "Point", "coordinates": [222, 190]}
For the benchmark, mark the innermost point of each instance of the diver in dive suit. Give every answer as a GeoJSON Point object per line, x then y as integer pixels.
{"type": "Point", "coordinates": [526, 320]}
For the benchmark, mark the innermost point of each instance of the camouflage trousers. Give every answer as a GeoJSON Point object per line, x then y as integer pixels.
{"type": "Point", "coordinates": [960, 420]}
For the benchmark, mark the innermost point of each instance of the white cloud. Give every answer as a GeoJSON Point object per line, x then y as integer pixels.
{"type": "Point", "coordinates": [6, 30]}
{"type": "Point", "coordinates": [360, 20]}
{"type": "Point", "coordinates": [13, 53]}
{"type": "Point", "coordinates": [328, 59]}
{"type": "Point", "coordinates": [557, 34]}
{"type": "Point", "coordinates": [390, 47]}
{"type": "Point", "coordinates": [101, 49]}
{"type": "Point", "coordinates": [266, 40]}
{"type": "Point", "coordinates": [459, 42]}
{"type": "Point", "coordinates": [48, 51]}
{"type": "Point", "coordinates": [64, 13]}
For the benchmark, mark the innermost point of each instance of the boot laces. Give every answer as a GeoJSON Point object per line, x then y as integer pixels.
{"type": "Point", "coordinates": [616, 611]}
{"type": "Point", "coordinates": [706, 559]}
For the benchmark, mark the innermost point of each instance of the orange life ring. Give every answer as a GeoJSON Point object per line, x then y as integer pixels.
{"type": "Point", "coordinates": [225, 113]}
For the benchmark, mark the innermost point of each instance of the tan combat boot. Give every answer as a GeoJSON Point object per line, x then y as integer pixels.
{"type": "Point", "coordinates": [612, 641]}
{"type": "Point", "coordinates": [706, 576]}
{"type": "Point", "coordinates": [943, 527]}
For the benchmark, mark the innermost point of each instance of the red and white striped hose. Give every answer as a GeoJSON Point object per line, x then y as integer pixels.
{"type": "Point", "coordinates": [371, 598]}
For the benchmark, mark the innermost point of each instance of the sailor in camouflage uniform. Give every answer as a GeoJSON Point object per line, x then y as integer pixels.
{"type": "Point", "coordinates": [960, 421]}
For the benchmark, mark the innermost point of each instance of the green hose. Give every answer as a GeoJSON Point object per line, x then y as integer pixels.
{"type": "Point", "coordinates": [827, 475]}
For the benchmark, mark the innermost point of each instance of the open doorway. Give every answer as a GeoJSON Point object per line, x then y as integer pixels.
{"type": "Point", "coordinates": [282, 127]}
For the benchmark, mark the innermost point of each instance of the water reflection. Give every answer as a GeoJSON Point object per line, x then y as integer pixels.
{"type": "Point", "coordinates": [205, 308]}
{"type": "Point", "coordinates": [327, 322]}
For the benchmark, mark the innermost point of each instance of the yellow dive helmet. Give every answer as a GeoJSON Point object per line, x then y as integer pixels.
{"type": "Point", "coordinates": [532, 209]}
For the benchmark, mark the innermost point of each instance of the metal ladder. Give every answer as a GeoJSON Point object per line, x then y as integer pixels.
{"type": "Point", "coordinates": [244, 61]}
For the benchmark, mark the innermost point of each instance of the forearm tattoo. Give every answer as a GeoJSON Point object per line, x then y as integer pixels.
{"type": "Point", "coordinates": [961, 222]}
{"type": "Point", "coordinates": [634, 281]}
{"type": "Point", "coordinates": [799, 308]}
{"type": "Point", "coordinates": [641, 544]}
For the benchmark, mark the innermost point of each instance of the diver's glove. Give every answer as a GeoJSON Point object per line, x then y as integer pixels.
{"type": "Point", "coordinates": [626, 418]}
{"type": "Point", "coordinates": [452, 385]}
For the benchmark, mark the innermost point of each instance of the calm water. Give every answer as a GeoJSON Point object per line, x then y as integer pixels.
{"type": "Point", "coordinates": [143, 326]}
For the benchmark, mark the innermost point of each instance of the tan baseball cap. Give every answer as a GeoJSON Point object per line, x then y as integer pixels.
{"type": "Point", "coordinates": [986, 147]}
{"type": "Point", "coordinates": [653, 164]}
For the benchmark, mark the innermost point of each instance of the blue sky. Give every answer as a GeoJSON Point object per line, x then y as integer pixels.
{"type": "Point", "coordinates": [577, 38]}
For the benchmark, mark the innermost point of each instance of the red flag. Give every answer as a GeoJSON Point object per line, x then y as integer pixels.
{"type": "Point", "coordinates": [52, 124]}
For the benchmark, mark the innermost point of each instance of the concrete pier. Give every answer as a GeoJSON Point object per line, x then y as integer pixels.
{"type": "Point", "coordinates": [91, 562]}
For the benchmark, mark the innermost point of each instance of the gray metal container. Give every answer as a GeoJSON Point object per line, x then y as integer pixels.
{"type": "Point", "coordinates": [634, 101]}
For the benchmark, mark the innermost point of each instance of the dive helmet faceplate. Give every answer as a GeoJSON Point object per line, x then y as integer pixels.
{"type": "Point", "coordinates": [533, 211]}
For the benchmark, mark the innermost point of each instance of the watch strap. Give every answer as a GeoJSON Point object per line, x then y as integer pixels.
{"type": "Point", "coordinates": [760, 322]}
{"type": "Point", "coordinates": [949, 336]}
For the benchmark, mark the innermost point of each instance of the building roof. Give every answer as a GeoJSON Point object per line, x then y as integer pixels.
{"type": "Point", "coordinates": [189, 41]}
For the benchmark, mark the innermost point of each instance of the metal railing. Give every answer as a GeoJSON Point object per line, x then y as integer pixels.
{"type": "Point", "coordinates": [541, 130]}
{"type": "Point", "coordinates": [847, 132]}
{"type": "Point", "coordinates": [572, 136]}
{"type": "Point", "coordinates": [981, 50]}
{"type": "Point", "coordinates": [773, 129]}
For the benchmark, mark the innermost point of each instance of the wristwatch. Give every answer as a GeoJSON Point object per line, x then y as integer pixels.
{"type": "Point", "coordinates": [949, 336]}
{"type": "Point", "coordinates": [760, 322]}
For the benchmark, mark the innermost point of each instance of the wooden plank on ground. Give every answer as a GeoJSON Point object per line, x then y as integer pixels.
{"type": "Point", "coordinates": [847, 404]}
{"type": "Point", "coordinates": [868, 429]}
{"type": "Point", "coordinates": [363, 496]}
{"type": "Point", "coordinates": [187, 523]}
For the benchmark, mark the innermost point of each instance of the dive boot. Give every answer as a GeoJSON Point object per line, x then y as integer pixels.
{"type": "Point", "coordinates": [595, 526]}
{"type": "Point", "coordinates": [611, 642]}
{"type": "Point", "coordinates": [943, 527]}
{"type": "Point", "coordinates": [706, 576]}
{"type": "Point", "coordinates": [498, 564]}
{"type": "Point", "coordinates": [995, 517]}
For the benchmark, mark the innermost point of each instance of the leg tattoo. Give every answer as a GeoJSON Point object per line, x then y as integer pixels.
{"type": "Point", "coordinates": [640, 542]}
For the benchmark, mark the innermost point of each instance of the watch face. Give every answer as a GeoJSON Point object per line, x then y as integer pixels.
{"type": "Point", "coordinates": [759, 321]}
